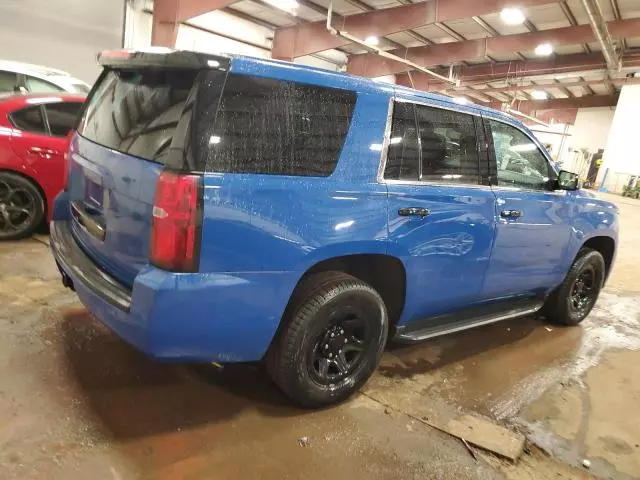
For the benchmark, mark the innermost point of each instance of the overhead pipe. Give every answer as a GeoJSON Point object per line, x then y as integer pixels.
{"type": "Point", "coordinates": [601, 32]}
{"type": "Point", "coordinates": [382, 53]}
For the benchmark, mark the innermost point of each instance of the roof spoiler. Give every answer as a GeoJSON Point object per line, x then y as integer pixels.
{"type": "Point", "coordinates": [161, 57]}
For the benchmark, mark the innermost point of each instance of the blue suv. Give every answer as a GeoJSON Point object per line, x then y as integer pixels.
{"type": "Point", "coordinates": [234, 209]}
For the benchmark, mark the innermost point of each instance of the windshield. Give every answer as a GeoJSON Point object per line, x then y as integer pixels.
{"type": "Point", "coordinates": [137, 111]}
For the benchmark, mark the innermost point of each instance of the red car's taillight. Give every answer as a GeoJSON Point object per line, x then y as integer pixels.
{"type": "Point", "coordinates": [176, 223]}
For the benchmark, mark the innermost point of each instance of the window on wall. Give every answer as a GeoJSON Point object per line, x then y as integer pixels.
{"type": "Point", "coordinates": [403, 157]}
{"type": "Point", "coordinates": [29, 120]}
{"type": "Point", "coordinates": [519, 161]}
{"type": "Point", "coordinates": [432, 144]}
{"type": "Point", "coordinates": [62, 117]}
{"type": "Point", "coordinates": [278, 127]}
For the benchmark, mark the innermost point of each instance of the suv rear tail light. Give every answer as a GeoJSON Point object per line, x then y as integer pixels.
{"type": "Point", "coordinates": [177, 222]}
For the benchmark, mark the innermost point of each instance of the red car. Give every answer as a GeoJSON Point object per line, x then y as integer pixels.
{"type": "Point", "coordinates": [33, 143]}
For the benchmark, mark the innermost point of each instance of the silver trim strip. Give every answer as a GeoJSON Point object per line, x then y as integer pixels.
{"type": "Point", "coordinates": [498, 318]}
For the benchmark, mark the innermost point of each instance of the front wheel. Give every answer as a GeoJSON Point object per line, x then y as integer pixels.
{"type": "Point", "coordinates": [573, 300]}
{"type": "Point", "coordinates": [331, 340]}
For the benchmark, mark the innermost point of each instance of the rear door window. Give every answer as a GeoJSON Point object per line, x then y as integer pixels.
{"type": "Point", "coordinates": [277, 127]}
{"type": "Point", "coordinates": [137, 111]}
{"type": "Point", "coordinates": [62, 117]}
{"type": "Point", "coordinates": [448, 145]}
{"type": "Point", "coordinates": [29, 119]}
{"type": "Point", "coordinates": [403, 157]}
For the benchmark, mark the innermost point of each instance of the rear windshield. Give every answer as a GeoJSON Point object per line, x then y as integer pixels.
{"type": "Point", "coordinates": [136, 111]}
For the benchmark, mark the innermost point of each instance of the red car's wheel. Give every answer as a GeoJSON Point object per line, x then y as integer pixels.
{"type": "Point", "coordinates": [21, 206]}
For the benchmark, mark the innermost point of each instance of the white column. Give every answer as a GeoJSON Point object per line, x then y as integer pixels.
{"type": "Point", "coordinates": [622, 151]}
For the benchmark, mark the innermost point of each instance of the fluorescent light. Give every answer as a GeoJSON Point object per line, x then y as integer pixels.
{"type": "Point", "coordinates": [512, 16]}
{"type": "Point", "coordinates": [214, 140]}
{"type": "Point", "coordinates": [213, 63]}
{"type": "Point", "coordinates": [287, 5]}
{"type": "Point", "coordinates": [371, 40]}
{"type": "Point", "coordinates": [395, 140]}
{"type": "Point", "coordinates": [460, 100]}
{"type": "Point", "coordinates": [544, 49]}
{"type": "Point", "coordinates": [539, 95]}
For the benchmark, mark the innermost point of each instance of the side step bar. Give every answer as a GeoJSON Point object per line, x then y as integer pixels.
{"type": "Point", "coordinates": [436, 326]}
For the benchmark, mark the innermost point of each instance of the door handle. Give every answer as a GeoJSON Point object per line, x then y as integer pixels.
{"type": "Point", "coordinates": [413, 212]}
{"type": "Point", "coordinates": [510, 213]}
{"type": "Point", "coordinates": [43, 152]}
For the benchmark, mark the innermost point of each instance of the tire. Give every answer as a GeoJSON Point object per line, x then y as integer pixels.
{"type": "Point", "coordinates": [585, 279]}
{"type": "Point", "coordinates": [21, 206]}
{"type": "Point", "coordinates": [329, 313]}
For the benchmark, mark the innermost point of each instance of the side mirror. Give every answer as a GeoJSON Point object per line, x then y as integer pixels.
{"type": "Point", "coordinates": [568, 180]}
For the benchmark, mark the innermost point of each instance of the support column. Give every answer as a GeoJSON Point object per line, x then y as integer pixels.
{"type": "Point", "coordinates": [164, 30]}
{"type": "Point", "coordinates": [622, 151]}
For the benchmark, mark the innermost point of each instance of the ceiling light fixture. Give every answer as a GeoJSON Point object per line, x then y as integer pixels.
{"type": "Point", "coordinates": [286, 5]}
{"type": "Point", "coordinates": [460, 100]}
{"type": "Point", "coordinates": [512, 16]}
{"type": "Point", "coordinates": [371, 40]}
{"type": "Point", "coordinates": [544, 49]}
{"type": "Point", "coordinates": [539, 95]}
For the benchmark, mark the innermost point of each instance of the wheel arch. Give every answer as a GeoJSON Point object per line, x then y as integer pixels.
{"type": "Point", "coordinates": [606, 246]}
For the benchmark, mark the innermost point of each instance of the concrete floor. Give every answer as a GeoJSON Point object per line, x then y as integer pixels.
{"type": "Point", "coordinates": [77, 403]}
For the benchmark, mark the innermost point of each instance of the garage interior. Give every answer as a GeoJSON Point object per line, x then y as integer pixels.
{"type": "Point", "coordinates": [77, 402]}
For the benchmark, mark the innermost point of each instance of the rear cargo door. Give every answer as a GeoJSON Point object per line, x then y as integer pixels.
{"type": "Point", "coordinates": [123, 142]}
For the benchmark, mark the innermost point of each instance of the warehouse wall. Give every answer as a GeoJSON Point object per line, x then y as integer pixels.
{"type": "Point", "coordinates": [64, 34]}
{"type": "Point", "coordinates": [592, 128]}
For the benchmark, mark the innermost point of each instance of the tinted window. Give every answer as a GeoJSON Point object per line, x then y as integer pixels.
{"type": "Point", "coordinates": [62, 117]}
{"type": "Point", "coordinates": [8, 81]}
{"type": "Point", "coordinates": [403, 158]}
{"type": "Point", "coordinates": [448, 145]}
{"type": "Point", "coordinates": [36, 85]}
{"type": "Point", "coordinates": [519, 161]}
{"type": "Point", "coordinates": [136, 112]}
{"type": "Point", "coordinates": [278, 127]}
{"type": "Point", "coordinates": [29, 119]}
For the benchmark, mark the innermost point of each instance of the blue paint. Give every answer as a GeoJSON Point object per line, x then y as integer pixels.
{"type": "Point", "coordinates": [261, 233]}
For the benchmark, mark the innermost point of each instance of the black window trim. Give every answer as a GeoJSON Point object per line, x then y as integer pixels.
{"type": "Point", "coordinates": [43, 114]}
{"type": "Point", "coordinates": [46, 116]}
{"type": "Point", "coordinates": [387, 137]}
{"type": "Point", "coordinates": [493, 163]}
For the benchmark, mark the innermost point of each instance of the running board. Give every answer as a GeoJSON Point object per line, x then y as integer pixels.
{"type": "Point", "coordinates": [413, 332]}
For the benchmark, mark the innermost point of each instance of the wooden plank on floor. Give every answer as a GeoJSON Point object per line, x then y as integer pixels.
{"type": "Point", "coordinates": [487, 435]}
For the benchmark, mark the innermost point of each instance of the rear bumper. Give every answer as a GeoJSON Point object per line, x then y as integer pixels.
{"type": "Point", "coordinates": [225, 317]}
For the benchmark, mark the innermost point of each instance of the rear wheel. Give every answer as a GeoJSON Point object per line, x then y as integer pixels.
{"type": "Point", "coordinates": [331, 340]}
{"type": "Point", "coordinates": [21, 206]}
{"type": "Point", "coordinates": [574, 299]}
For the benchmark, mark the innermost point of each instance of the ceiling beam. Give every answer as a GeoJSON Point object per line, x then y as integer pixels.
{"type": "Point", "coordinates": [548, 86]}
{"type": "Point", "coordinates": [591, 101]}
{"type": "Point", "coordinates": [517, 70]}
{"type": "Point", "coordinates": [312, 37]}
{"type": "Point", "coordinates": [371, 65]}
{"type": "Point", "coordinates": [168, 14]}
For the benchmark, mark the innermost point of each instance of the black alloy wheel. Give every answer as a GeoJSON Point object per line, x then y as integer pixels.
{"type": "Point", "coordinates": [330, 341]}
{"type": "Point", "coordinates": [573, 300]}
{"type": "Point", "coordinates": [21, 206]}
{"type": "Point", "coordinates": [340, 347]}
